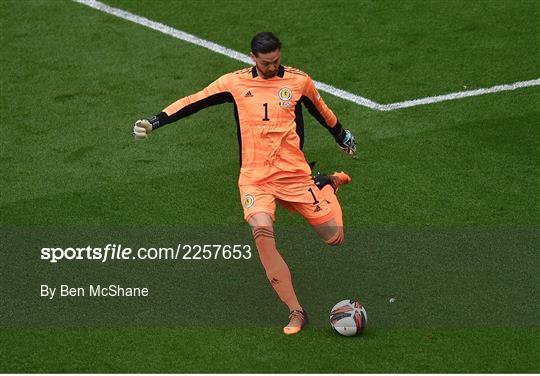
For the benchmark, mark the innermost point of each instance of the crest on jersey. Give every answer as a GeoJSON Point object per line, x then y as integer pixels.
{"type": "Point", "coordinates": [285, 94]}
{"type": "Point", "coordinates": [248, 201]}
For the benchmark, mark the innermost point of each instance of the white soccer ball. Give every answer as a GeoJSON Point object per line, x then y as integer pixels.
{"type": "Point", "coordinates": [348, 318]}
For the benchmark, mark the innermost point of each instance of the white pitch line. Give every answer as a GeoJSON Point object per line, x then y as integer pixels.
{"type": "Point", "coordinates": [460, 94]}
{"type": "Point", "coordinates": [178, 34]}
{"type": "Point", "coordinates": [362, 101]}
{"type": "Point", "coordinates": [190, 38]}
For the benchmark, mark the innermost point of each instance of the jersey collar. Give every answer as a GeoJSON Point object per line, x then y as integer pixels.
{"type": "Point", "coordinates": [280, 73]}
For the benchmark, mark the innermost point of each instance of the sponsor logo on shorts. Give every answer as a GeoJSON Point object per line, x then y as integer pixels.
{"type": "Point", "coordinates": [285, 94]}
{"type": "Point", "coordinates": [248, 201]}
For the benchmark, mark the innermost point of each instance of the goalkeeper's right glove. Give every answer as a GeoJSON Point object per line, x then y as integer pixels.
{"type": "Point", "coordinates": [143, 127]}
{"type": "Point", "coordinates": [346, 142]}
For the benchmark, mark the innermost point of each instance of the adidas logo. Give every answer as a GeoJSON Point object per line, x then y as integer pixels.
{"type": "Point", "coordinates": [248, 94]}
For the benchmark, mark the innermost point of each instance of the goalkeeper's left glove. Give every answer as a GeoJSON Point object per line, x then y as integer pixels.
{"type": "Point", "coordinates": [346, 142]}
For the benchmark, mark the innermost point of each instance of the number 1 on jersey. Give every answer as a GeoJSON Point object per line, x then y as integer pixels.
{"type": "Point", "coordinates": [266, 112]}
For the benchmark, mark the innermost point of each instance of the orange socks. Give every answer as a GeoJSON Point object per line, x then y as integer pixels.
{"type": "Point", "coordinates": [277, 271]}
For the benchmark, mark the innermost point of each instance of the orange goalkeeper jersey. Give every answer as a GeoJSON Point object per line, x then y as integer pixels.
{"type": "Point", "coordinates": [268, 113]}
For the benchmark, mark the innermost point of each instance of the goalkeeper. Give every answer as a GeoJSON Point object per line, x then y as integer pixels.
{"type": "Point", "coordinates": [268, 100]}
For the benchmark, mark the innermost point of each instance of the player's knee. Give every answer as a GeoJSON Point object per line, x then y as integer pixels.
{"type": "Point", "coordinates": [336, 239]}
{"type": "Point", "coordinates": [261, 220]}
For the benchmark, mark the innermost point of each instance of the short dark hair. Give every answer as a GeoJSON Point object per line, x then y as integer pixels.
{"type": "Point", "coordinates": [265, 42]}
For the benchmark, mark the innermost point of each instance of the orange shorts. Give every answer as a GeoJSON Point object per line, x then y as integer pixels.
{"type": "Point", "coordinates": [302, 197]}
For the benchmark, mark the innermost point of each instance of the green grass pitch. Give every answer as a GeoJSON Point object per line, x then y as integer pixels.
{"type": "Point", "coordinates": [443, 211]}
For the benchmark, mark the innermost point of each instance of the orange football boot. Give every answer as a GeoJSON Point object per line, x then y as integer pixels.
{"type": "Point", "coordinates": [338, 179]}
{"type": "Point", "coordinates": [297, 320]}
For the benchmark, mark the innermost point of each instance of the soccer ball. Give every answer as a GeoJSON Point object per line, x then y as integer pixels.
{"type": "Point", "coordinates": [348, 318]}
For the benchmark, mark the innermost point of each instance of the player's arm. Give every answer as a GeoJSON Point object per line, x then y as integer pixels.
{"type": "Point", "coordinates": [215, 93]}
{"type": "Point", "coordinates": [324, 115]}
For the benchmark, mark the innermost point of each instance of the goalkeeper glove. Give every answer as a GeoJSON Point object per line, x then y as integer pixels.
{"type": "Point", "coordinates": [143, 127]}
{"type": "Point", "coordinates": [346, 142]}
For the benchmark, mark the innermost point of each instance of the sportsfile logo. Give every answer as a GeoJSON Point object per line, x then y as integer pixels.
{"type": "Point", "coordinates": [114, 252]}
{"type": "Point", "coordinates": [109, 252]}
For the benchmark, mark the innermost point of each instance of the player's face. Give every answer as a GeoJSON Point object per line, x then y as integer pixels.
{"type": "Point", "coordinates": [267, 64]}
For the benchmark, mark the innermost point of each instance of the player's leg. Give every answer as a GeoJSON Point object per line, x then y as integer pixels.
{"type": "Point", "coordinates": [277, 271]}
{"type": "Point", "coordinates": [259, 208]}
{"type": "Point", "coordinates": [319, 205]}
{"type": "Point", "coordinates": [331, 231]}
